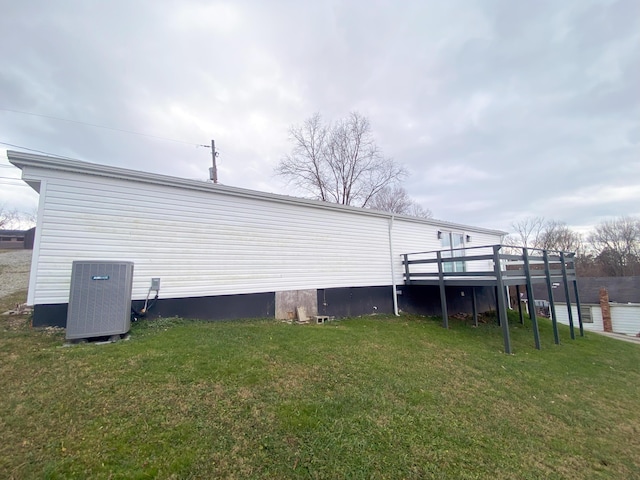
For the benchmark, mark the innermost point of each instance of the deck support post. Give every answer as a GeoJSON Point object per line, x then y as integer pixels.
{"type": "Point", "coordinates": [552, 307]}
{"type": "Point", "coordinates": [496, 295]}
{"type": "Point", "coordinates": [519, 305]}
{"type": "Point", "coordinates": [407, 275]}
{"type": "Point", "coordinates": [474, 305]}
{"type": "Point", "coordinates": [502, 307]}
{"type": "Point", "coordinates": [443, 294]}
{"type": "Point", "coordinates": [567, 294]}
{"type": "Point", "coordinates": [530, 300]}
{"type": "Point", "coordinates": [575, 289]}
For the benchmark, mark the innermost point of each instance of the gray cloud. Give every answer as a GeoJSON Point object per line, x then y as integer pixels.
{"type": "Point", "coordinates": [499, 110]}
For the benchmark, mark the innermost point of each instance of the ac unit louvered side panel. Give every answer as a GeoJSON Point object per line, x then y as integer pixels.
{"type": "Point", "coordinates": [99, 299]}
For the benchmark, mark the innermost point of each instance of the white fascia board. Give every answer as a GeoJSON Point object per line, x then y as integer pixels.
{"type": "Point", "coordinates": [24, 160]}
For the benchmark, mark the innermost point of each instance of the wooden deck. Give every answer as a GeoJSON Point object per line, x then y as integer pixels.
{"type": "Point", "coordinates": [498, 266]}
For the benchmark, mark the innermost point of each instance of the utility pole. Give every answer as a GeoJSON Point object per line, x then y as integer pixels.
{"type": "Point", "coordinates": [213, 171]}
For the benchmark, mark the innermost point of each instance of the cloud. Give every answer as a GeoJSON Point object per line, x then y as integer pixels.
{"type": "Point", "coordinates": [499, 110]}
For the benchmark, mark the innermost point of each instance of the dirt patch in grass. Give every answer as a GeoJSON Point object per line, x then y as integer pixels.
{"type": "Point", "coordinates": [13, 322]}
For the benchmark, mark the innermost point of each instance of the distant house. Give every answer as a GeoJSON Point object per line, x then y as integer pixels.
{"type": "Point", "coordinates": [624, 303]}
{"type": "Point", "coordinates": [17, 239]}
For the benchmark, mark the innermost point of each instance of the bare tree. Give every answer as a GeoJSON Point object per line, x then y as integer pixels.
{"type": "Point", "coordinates": [338, 162]}
{"type": "Point", "coordinates": [396, 200]}
{"type": "Point", "coordinates": [538, 232]}
{"type": "Point", "coordinates": [15, 219]}
{"type": "Point", "coordinates": [527, 232]}
{"type": "Point", "coordinates": [613, 249]}
{"type": "Point", "coordinates": [418, 210]}
{"type": "Point", "coordinates": [391, 199]}
{"type": "Point", "coordinates": [617, 243]}
{"type": "Point", "coordinates": [8, 218]}
{"type": "Point", "coordinates": [306, 166]}
{"type": "Point", "coordinates": [30, 217]}
{"type": "Point", "coordinates": [557, 236]}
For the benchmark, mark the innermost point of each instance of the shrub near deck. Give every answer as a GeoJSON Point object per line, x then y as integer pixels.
{"type": "Point", "coordinates": [378, 397]}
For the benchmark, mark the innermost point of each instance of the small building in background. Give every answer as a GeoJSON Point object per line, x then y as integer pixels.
{"type": "Point", "coordinates": [17, 239]}
{"type": "Point", "coordinates": [624, 303]}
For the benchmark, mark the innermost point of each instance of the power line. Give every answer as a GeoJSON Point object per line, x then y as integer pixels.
{"type": "Point", "coordinates": [102, 126]}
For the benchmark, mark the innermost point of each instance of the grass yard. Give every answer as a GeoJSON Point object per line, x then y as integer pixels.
{"type": "Point", "coordinates": [377, 397]}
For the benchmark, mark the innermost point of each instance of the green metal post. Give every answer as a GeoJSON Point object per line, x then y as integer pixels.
{"type": "Point", "coordinates": [443, 294]}
{"type": "Point", "coordinates": [530, 299]}
{"type": "Point", "coordinates": [502, 307]}
{"type": "Point", "coordinates": [519, 305]}
{"type": "Point", "coordinates": [567, 295]}
{"type": "Point", "coordinates": [552, 307]}
{"type": "Point", "coordinates": [575, 288]}
{"type": "Point", "coordinates": [407, 275]}
{"type": "Point", "coordinates": [474, 305]}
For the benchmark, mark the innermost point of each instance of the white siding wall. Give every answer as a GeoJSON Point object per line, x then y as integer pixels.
{"type": "Point", "coordinates": [409, 237]}
{"type": "Point", "coordinates": [478, 239]}
{"type": "Point", "coordinates": [414, 237]}
{"type": "Point", "coordinates": [563, 316]}
{"type": "Point", "coordinates": [201, 243]}
{"type": "Point", "coordinates": [625, 318]}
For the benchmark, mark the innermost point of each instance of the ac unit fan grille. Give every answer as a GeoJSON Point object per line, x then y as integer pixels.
{"type": "Point", "coordinates": [99, 299]}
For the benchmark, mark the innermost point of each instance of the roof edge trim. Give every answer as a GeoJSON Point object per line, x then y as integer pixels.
{"type": "Point", "coordinates": [23, 159]}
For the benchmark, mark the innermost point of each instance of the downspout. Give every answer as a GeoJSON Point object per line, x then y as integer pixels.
{"type": "Point", "coordinates": [393, 270]}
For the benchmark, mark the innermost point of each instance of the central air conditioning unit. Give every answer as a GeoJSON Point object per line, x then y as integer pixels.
{"type": "Point", "coordinates": [99, 299]}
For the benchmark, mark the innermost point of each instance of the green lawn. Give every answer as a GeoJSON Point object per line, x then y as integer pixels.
{"type": "Point", "coordinates": [376, 397]}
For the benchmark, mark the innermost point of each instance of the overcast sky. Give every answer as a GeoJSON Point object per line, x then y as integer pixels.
{"type": "Point", "coordinates": [500, 109]}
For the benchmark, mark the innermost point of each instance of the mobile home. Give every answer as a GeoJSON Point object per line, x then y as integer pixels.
{"type": "Point", "coordinates": [224, 252]}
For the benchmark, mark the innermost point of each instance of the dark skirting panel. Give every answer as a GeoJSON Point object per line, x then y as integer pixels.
{"type": "Point", "coordinates": [354, 301]}
{"type": "Point", "coordinates": [337, 302]}
{"type": "Point", "coordinates": [425, 299]}
{"type": "Point", "coordinates": [221, 307]}
{"type": "Point", "coordinates": [50, 315]}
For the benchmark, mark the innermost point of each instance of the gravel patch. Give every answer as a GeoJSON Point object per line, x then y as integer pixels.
{"type": "Point", "coordinates": [14, 271]}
